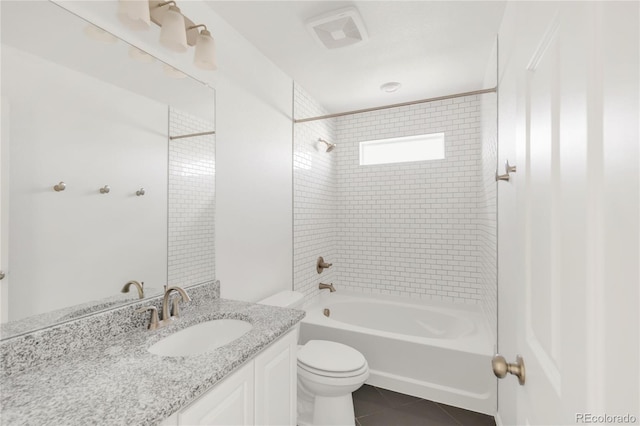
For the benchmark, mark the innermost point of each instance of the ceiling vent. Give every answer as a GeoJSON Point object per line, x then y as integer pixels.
{"type": "Point", "coordinates": [340, 28]}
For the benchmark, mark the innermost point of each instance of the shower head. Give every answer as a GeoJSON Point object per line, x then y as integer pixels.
{"type": "Point", "coordinates": [330, 146]}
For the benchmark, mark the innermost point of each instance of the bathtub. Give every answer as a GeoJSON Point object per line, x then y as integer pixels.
{"type": "Point", "coordinates": [441, 352]}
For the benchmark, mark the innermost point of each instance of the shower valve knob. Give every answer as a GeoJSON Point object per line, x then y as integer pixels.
{"type": "Point", "coordinates": [322, 265]}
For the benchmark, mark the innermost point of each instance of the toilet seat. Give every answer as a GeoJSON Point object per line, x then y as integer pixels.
{"type": "Point", "coordinates": [333, 374]}
{"type": "Point", "coordinates": [331, 359]}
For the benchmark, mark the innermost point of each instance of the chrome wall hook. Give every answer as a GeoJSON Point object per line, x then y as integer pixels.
{"type": "Point", "coordinates": [60, 187]}
{"type": "Point", "coordinates": [508, 168]}
{"type": "Point", "coordinates": [105, 189]}
{"type": "Point", "coordinates": [140, 192]}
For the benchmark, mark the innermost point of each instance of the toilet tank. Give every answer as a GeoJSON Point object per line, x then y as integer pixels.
{"type": "Point", "coordinates": [285, 299]}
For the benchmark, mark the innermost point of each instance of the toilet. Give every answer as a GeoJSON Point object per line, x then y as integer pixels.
{"type": "Point", "coordinates": [328, 372]}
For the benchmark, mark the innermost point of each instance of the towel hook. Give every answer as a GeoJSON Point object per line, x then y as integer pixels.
{"type": "Point", "coordinates": [60, 187]}
{"type": "Point", "coordinates": [105, 189]}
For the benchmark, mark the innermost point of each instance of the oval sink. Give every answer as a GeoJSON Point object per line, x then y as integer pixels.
{"type": "Point", "coordinates": [201, 337]}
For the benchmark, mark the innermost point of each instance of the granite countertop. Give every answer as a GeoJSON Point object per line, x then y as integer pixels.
{"type": "Point", "coordinates": [118, 382]}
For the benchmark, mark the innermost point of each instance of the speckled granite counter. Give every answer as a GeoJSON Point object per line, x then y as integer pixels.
{"type": "Point", "coordinates": [118, 382]}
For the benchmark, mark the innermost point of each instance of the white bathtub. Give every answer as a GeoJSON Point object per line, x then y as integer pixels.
{"type": "Point", "coordinates": [438, 352]}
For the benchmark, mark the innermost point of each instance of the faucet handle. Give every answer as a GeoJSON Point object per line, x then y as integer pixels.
{"type": "Point", "coordinates": [153, 324]}
{"type": "Point", "coordinates": [321, 265]}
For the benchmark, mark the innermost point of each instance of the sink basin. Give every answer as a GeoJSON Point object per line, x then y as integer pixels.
{"type": "Point", "coordinates": [201, 337]}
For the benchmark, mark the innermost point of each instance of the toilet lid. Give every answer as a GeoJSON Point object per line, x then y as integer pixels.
{"type": "Point", "coordinates": [322, 355]}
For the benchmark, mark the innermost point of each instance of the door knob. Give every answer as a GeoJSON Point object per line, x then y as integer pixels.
{"type": "Point", "coordinates": [501, 367]}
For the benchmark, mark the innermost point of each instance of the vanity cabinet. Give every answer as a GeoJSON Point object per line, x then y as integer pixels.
{"type": "Point", "coordinates": [261, 392]}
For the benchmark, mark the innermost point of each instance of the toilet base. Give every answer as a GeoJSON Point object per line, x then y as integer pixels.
{"type": "Point", "coordinates": [334, 411]}
{"type": "Point", "coordinates": [324, 410]}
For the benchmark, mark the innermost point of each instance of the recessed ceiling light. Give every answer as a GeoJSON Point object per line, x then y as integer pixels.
{"type": "Point", "coordinates": [390, 87]}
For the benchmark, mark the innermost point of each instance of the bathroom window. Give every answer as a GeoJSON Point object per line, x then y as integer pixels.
{"type": "Point", "coordinates": [402, 150]}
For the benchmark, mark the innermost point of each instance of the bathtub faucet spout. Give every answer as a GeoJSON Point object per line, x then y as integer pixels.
{"type": "Point", "coordinates": [331, 288]}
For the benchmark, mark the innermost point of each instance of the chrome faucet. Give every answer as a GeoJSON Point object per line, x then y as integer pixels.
{"type": "Point", "coordinates": [331, 288]}
{"type": "Point", "coordinates": [139, 287]}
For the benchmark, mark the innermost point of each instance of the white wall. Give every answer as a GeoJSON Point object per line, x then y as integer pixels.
{"type": "Point", "coordinates": [254, 201]}
{"type": "Point", "coordinates": [254, 182]}
{"type": "Point", "coordinates": [487, 198]}
{"type": "Point", "coordinates": [410, 229]}
{"type": "Point", "coordinates": [254, 213]}
{"type": "Point", "coordinates": [79, 245]}
{"type": "Point", "coordinates": [315, 196]}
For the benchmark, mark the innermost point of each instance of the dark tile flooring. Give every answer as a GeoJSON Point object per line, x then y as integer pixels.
{"type": "Point", "coordinates": [380, 407]}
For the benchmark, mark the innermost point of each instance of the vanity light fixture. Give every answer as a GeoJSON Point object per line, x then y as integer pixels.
{"type": "Point", "coordinates": [177, 32]}
{"type": "Point", "coordinates": [173, 33]}
{"type": "Point", "coordinates": [134, 14]}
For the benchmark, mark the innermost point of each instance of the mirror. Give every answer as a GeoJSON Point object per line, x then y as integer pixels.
{"type": "Point", "coordinates": [103, 180]}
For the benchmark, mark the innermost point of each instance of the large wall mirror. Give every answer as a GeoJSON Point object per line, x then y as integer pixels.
{"type": "Point", "coordinates": [108, 170]}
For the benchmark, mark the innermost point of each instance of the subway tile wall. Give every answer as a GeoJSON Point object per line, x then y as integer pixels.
{"type": "Point", "coordinates": [487, 208]}
{"type": "Point", "coordinates": [315, 214]}
{"type": "Point", "coordinates": [422, 230]}
{"type": "Point", "coordinates": [411, 229]}
{"type": "Point", "coordinates": [191, 245]}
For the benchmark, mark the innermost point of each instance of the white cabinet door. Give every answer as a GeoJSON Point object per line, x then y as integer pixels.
{"type": "Point", "coordinates": [228, 403]}
{"type": "Point", "coordinates": [275, 375]}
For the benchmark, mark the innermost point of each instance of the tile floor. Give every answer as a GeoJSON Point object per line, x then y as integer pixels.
{"type": "Point", "coordinates": [380, 407]}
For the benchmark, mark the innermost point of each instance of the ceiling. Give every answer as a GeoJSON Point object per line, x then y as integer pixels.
{"type": "Point", "coordinates": [433, 48]}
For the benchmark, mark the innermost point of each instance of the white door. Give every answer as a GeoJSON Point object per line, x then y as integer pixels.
{"type": "Point", "coordinates": [568, 218]}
